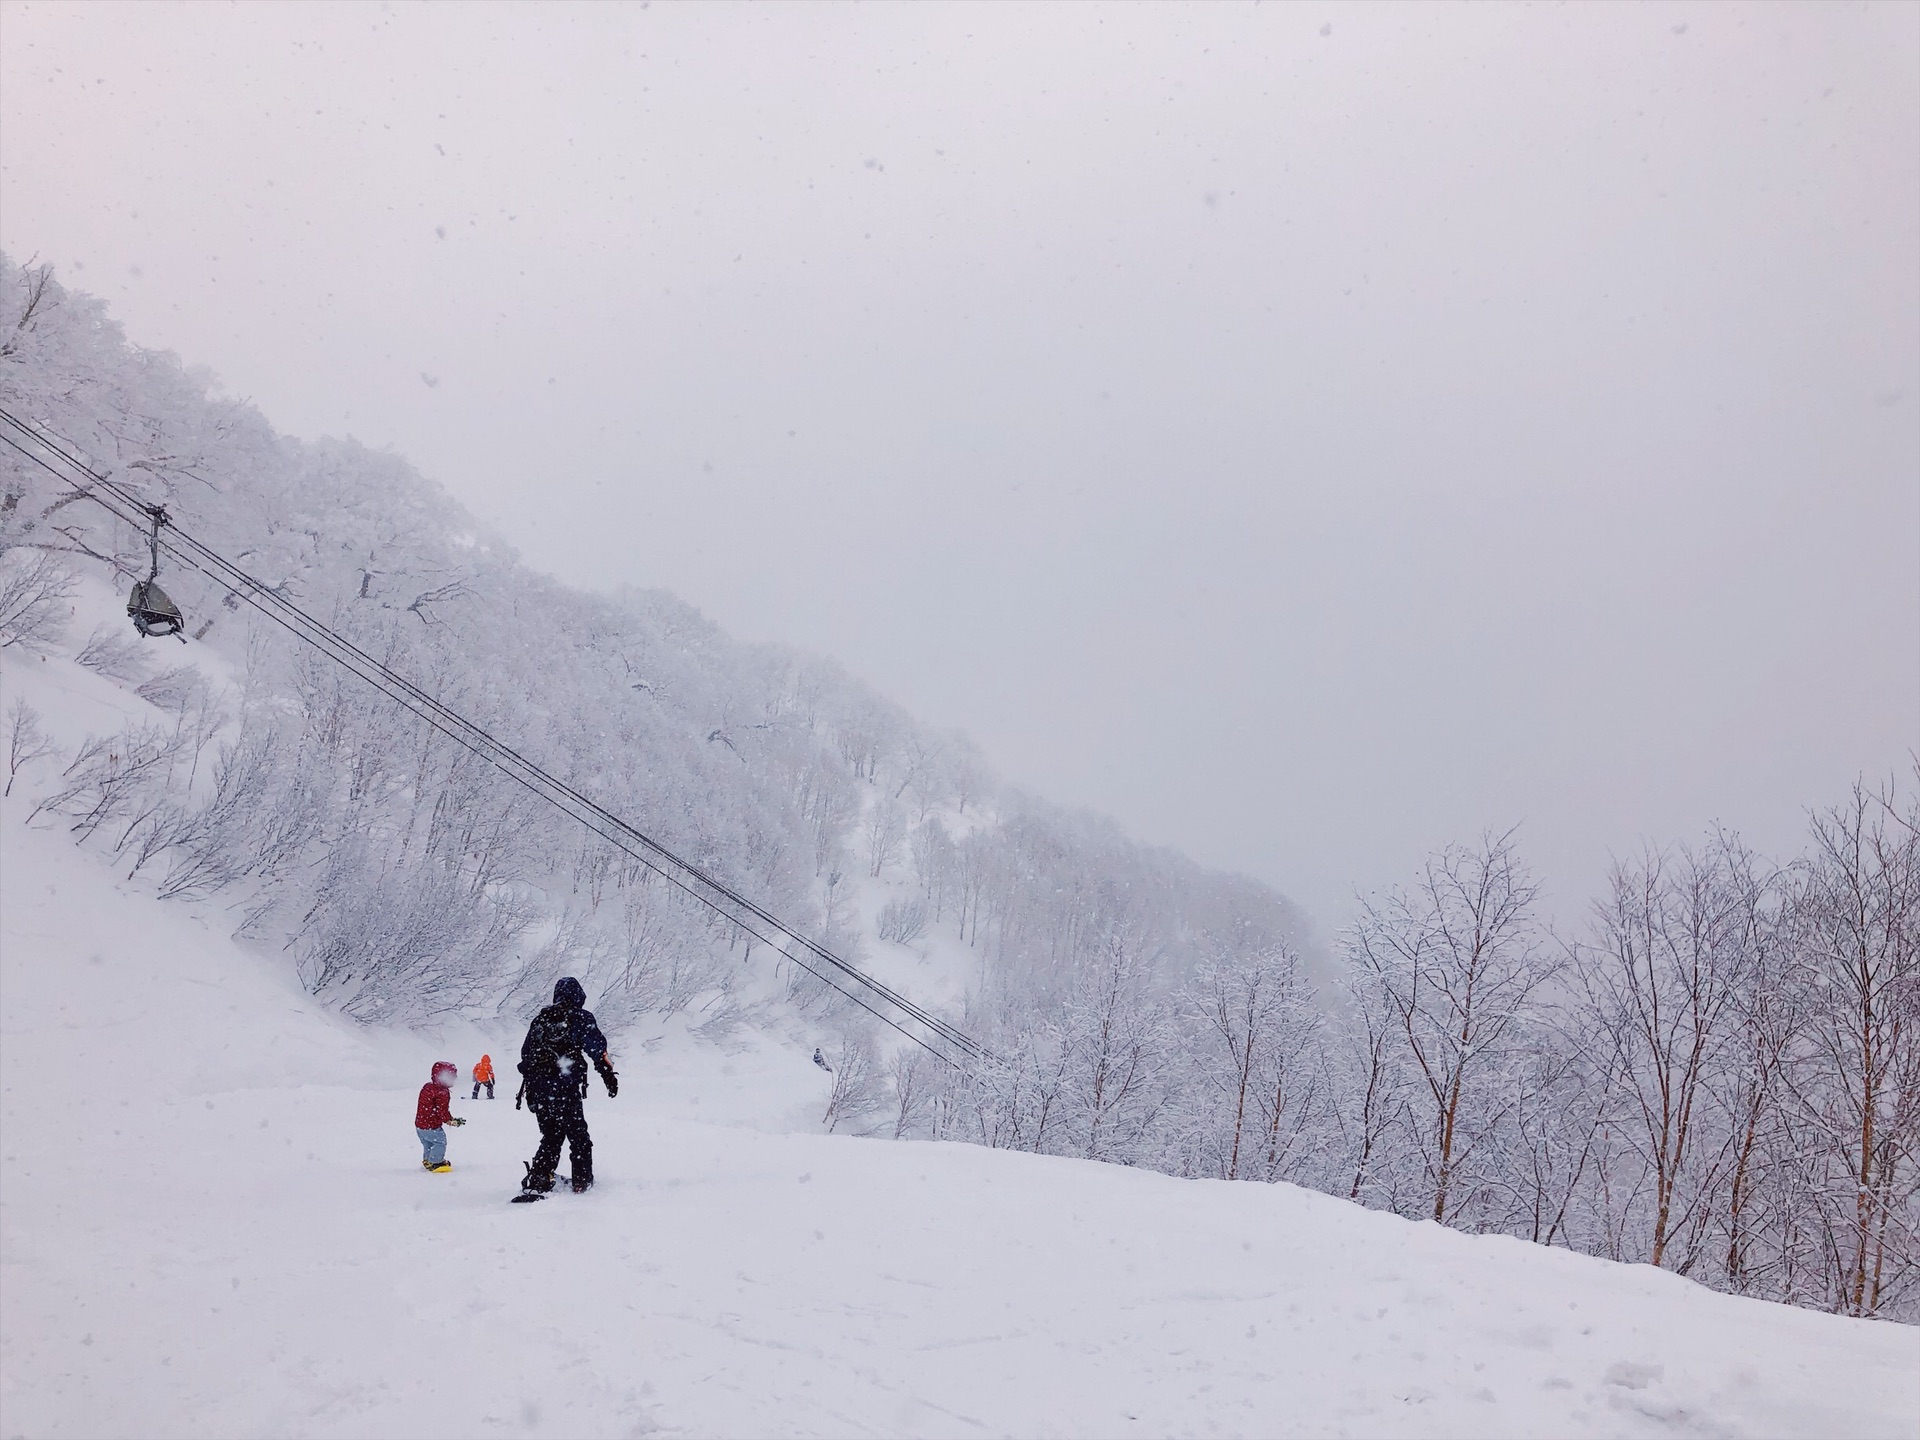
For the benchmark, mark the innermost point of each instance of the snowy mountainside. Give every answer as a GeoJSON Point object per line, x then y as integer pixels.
{"type": "Point", "coordinates": [215, 1224]}
{"type": "Point", "coordinates": [355, 841]}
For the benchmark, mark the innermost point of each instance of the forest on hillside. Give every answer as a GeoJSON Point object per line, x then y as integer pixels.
{"type": "Point", "coordinates": [1719, 1073]}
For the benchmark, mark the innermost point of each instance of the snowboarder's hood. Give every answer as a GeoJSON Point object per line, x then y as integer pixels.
{"type": "Point", "coordinates": [444, 1067]}
{"type": "Point", "coordinates": [567, 991]}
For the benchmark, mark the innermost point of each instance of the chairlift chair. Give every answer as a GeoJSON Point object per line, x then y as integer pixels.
{"type": "Point", "coordinates": [152, 612]}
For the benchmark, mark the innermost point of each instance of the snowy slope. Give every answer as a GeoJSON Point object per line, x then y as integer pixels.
{"type": "Point", "coordinates": [215, 1224]}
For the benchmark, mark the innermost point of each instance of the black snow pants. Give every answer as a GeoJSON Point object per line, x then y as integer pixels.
{"type": "Point", "coordinates": [562, 1117]}
{"type": "Point", "coordinates": [476, 1088]}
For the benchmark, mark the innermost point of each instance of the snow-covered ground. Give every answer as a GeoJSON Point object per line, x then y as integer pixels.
{"type": "Point", "coordinates": [216, 1224]}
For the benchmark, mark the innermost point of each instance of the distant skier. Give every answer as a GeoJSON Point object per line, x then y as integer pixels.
{"type": "Point", "coordinates": [560, 1042]}
{"type": "Point", "coordinates": [821, 1060]}
{"type": "Point", "coordinates": [432, 1113]}
{"type": "Point", "coordinates": [483, 1075]}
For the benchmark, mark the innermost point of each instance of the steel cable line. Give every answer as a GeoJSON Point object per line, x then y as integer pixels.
{"type": "Point", "coordinates": [693, 880]}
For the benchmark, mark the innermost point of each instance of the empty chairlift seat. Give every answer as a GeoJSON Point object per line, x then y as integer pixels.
{"type": "Point", "coordinates": [153, 613]}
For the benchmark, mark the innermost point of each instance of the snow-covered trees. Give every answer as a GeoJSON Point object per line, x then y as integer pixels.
{"type": "Point", "coordinates": [1257, 1056]}
{"type": "Point", "coordinates": [1715, 1074]}
{"type": "Point", "coordinates": [1673, 948]}
{"type": "Point", "coordinates": [1719, 1074]}
{"type": "Point", "coordinates": [1455, 963]}
{"type": "Point", "coordinates": [27, 741]}
{"type": "Point", "coordinates": [1855, 1085]}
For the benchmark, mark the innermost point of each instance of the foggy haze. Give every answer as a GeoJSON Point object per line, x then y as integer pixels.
{"type": "Point", "coordinates": [1308, 434]}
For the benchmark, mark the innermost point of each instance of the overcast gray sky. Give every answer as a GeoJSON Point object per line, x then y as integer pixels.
{"type": "Point", "coordinates": [1308, 433]}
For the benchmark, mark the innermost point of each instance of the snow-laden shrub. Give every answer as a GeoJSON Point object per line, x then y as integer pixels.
{"type": "Point", "coordinates": [902, 921]}
{"type": "Point", "coordinates": [176, 690]}
{"type": "Point", "coordinates": [34, 591]}
{"type": "Point", "coordinates": [115, 651]}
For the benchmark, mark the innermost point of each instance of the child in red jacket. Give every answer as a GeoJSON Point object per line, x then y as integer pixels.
{"type": "Point", "coordinates": [432, 1113]}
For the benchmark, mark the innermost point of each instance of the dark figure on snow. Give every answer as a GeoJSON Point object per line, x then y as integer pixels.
{"type": "Point", "coordinates": [821, 1060]}
{"type": "Point", "coordinates": [562, 1040]}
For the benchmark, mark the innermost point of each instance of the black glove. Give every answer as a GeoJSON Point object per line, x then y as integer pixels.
{"type": "Point", "coordinates": [610, 1080]}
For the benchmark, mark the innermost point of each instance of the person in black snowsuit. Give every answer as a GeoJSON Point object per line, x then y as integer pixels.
{"type": "Point", "coordinates": [562, 1040]}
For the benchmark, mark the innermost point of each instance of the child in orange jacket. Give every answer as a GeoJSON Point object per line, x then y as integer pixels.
{"type": "Point", "coordinates": [483, 1075]}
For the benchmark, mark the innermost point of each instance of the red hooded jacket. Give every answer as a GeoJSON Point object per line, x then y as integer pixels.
{"type": "Point", "coordinates": [433, 1110]}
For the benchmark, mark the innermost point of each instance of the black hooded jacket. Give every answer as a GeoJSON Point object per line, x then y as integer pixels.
{"type": "Point", "coordinates": [560, 1042]}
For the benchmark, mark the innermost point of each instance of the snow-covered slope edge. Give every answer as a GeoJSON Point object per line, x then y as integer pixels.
{"type": "Point", "coordinates": [215, 1224]}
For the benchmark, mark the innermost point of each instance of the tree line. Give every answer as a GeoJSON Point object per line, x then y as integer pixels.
{"type": "Point", "coordinates": [1718, 1074]}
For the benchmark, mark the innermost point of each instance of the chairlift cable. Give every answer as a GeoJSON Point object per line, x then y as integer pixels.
{"type": "Point", "coordinates": [188, 551]}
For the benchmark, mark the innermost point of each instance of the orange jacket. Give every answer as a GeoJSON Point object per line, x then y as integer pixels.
{"type": "Point", "coordinates": [483, 1072]}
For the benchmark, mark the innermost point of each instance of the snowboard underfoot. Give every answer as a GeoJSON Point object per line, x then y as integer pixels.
{"type": "Point", "coordinates": [527, 1197]}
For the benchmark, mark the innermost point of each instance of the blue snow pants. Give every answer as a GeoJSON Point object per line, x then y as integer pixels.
{"type": "Point", "coordinates": [433, 1144]}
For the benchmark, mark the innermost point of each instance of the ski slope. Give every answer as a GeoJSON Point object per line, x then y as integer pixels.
{"type": "Point", "coordinates": [215, 1224]}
